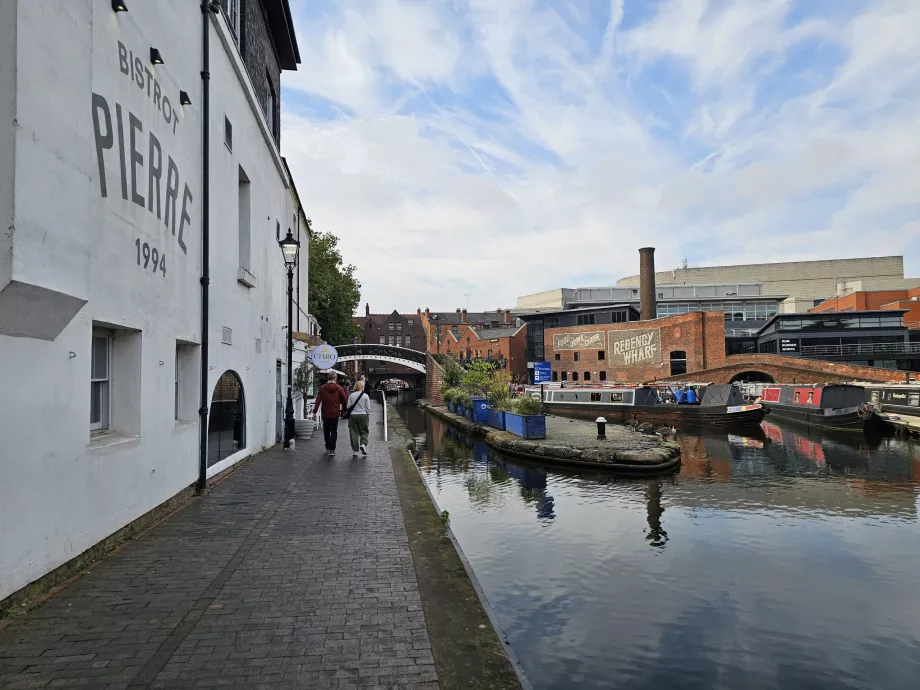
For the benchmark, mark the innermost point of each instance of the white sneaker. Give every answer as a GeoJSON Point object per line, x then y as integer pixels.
{"type": "Point", "coordinates": [363, 449]}
{"type": "Point", "coordinates": [331, 453]}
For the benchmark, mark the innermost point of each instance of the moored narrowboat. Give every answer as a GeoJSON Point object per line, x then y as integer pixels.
{"type": "Point", "coordinates": [720, 405]}
{"type": "Point", "coordinates": [896, 399]}
{"type": "Point", "coordinates": [824, 406]}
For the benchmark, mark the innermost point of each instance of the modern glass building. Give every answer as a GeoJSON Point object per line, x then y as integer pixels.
{"type": "Point", "coordinates": [869, 338]}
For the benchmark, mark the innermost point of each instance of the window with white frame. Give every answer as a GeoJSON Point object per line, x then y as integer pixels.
{"type": "Point", "coordinates": [100, 381]}
{"type": "Point", "coordinates": [383, 340]}
{"type": "Point", "coordinates": [232, 11]}
{"type": "Point", "coordinates": [268, 105]}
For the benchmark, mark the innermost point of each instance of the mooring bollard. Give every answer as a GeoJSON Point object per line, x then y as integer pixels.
{"type": "Point", "coordinates": [601, 428]}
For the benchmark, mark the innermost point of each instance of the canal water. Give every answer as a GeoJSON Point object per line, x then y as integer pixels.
{"type": "Point", "coordinates": [786, 560]}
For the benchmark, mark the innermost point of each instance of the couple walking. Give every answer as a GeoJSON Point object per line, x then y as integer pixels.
{"type": "Point", "coordinates": [356, 408]}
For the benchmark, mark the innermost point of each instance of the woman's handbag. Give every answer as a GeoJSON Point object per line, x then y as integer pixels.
{"type": "Point", "coordinates": [347, 413]}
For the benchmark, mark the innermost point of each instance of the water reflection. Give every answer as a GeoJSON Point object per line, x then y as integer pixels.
{"type": "Point", "coordinates": [786, 559]}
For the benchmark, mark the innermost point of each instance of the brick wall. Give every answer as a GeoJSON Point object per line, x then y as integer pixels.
{"type": "Point", "coordinates": [260, 58]}
{"type": "Point", "coordinates": [792, 370]}
{"type": "Point", "coordinates": [701, 335]}
{"type": "Point", "coordinates": [433, 377]}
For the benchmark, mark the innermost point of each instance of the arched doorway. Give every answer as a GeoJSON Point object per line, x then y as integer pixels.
{"type": "Point", "coordinates": [752, 377]}
{"type": "Point", "coordinates": [227, 421]}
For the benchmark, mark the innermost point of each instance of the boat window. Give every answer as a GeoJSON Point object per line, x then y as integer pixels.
{"type": "Point", "coordinates": [575, 396]}
{"type": "Point", "coordinates": [811, 396]}
{"type": "Point", "coordinates": [796, 398]}
{"type": "Point", "coordinates": [595, 397]}
{"type": "Point", "coordinates": [873, 396]}
{"type": "Point", "coordinates": [616, 397]}
{"type": "Point", "coordinates": [914, 399]}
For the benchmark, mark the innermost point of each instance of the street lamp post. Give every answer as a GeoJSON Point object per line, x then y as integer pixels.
{"type": "Point", "coordinates": [289, 249]}
{"type": "Point", "coordinates": [437, 320]}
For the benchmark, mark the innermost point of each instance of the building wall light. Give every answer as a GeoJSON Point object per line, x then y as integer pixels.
{"type": "Point", "coordinates": [155, 57]}
{"type": "Point", "coordinates": [184, 99]}
{"type": "Point", "coordinates": [119, 6]}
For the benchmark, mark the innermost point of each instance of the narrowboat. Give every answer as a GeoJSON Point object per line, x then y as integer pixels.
{"type": "Point", "coordinates": [824, 406]}
{"type": "Point", "coordinates": [896, 399]}
{"type": "Point", "coordinates": [720, 405]}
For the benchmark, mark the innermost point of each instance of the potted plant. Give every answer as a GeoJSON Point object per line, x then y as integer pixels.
{"type": "Point", "coordinates": [499, 400]}
{"type": "Point", "coordinates": [526, 418]}
{"type": "Point", "coordinates": [450, 398]}
{"type": "Point", "coordinates": [465, 403]}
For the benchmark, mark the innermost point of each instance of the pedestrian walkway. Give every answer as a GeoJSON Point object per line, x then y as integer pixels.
{"type": "Point", "coordinates": [294, 572]}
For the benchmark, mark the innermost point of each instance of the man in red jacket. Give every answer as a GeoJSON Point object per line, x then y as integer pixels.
{"type": "Point", "coordinates": [332, 398]}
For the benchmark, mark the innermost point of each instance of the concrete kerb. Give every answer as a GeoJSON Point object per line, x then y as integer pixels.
{"type": "Point", "coordinates": [401, 433]}
{"type": "Point", "coordinates": [663, 460]}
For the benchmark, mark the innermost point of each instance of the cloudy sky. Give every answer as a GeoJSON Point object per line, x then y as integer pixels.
{"type": "Point", "coordinates": [501, 147]}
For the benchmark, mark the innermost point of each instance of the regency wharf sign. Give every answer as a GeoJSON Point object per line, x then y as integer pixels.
{"type": "Point", "coordinates": [634, 346]}
{"type": "Point", "coordinates": [593, 340]}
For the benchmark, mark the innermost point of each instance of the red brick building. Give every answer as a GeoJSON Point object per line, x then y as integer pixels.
{"type": "Point", "coordinates": [402, 330]}
{"type": "Point", "coordinates": [877, 299]}
{"type": "Point", "coordinates": [636, 351]}
{"type": "Point", "coordinates": [492, 336]}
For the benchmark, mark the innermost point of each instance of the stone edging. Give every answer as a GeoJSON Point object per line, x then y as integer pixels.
{"type": "Point", "coordinates": [664, 459]}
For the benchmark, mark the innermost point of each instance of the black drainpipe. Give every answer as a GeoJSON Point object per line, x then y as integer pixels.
{"type": "Point", "coordinates": [207, 6]}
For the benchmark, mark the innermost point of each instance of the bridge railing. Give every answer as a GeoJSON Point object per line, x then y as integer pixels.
{"type": "Point", "coordinates": [860, 349]}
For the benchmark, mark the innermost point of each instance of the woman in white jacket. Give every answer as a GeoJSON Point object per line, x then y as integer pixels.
{"type": "Point", "coordinates": [359, 420]}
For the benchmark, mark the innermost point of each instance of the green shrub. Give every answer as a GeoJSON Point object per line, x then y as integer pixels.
{"type": "Point", "coordinates": [464, 398]}
{"type": "Point", "coordinates": [527, 405]}
{"type": "Point", "coordinates": [451, 395]}
{"type": "Point", "coordinates": [477, 378]}
{"type": "Point", "coordinates": [453, 372]}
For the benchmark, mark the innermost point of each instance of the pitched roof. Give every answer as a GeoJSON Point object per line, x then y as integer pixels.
{"type": "Point", "coordinates": [456, 318]}
{"type": "Point", "coordinates": [492, 333]}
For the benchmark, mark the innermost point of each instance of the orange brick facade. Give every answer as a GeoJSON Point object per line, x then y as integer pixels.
{"type": "Point", "coordinates": [636, 351]}
{"type": "Point", "coordinates": [877, 299]}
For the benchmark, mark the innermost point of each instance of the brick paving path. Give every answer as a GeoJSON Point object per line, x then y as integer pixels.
{"type": "Point", "coordinates": [294, 572]}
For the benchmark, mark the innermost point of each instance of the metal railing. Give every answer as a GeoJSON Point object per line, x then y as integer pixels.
{"type": "Point", "coordinates": [383, 401]}
{"type": "Point", "coordinates": [860, 349]}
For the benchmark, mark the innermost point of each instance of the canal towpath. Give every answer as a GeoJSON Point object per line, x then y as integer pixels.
{"type": "Point", "coordinates": [575, 443]}
{"type": "Point", "coordinates": [298, 570]}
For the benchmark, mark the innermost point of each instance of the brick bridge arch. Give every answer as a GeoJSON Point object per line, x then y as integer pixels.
{"type": "Point", "coordinates": [791, 370]}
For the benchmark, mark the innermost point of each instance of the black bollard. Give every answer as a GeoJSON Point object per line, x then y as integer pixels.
{"type": "Point", "coordinates": [601, 429]}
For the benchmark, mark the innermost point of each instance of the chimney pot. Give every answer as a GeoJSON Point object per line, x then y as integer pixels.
{"type": "Point", "coordinates": [648, 309]}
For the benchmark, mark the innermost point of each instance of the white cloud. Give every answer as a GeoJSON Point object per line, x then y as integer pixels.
{"type": "Point", "coordinates": [499, 148]}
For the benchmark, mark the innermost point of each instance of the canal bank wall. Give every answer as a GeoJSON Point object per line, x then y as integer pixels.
{"type": "Point", "coordinates": [470, 649]}
{"type": "Point", "coordinates": [574, 443]}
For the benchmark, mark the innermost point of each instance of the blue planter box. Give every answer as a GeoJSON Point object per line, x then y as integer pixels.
{"type": "Point", "coordinates": [461, 410]}
{"type": "Point", "coordinates": [451, 407]}
{"type": "Point", "coordinates": [526, 426]}
{"type": "Point", "coordinates": [480, 410]}
{"type": "Point", "coordinates": [496, 419]}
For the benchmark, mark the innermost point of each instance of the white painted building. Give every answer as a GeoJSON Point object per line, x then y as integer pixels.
{"type": "Point", "coordinates": [101, 184]}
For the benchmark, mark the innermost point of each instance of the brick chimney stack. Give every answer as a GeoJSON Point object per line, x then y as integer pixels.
{"type": "Point", "coordinates": [367, 308]}
{"type": "Point", "coordinates": [648, 309]}
{"type": "Point", "coordinates": [507, 316]}
{"type": "Point", "coordinates": [463, 316]}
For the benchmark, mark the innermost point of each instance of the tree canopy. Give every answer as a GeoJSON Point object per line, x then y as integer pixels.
{"type": "Point", "coordinates": [334, 290]}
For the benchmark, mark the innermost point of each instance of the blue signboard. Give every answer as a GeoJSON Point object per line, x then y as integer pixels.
{"type": "Point", "coordinates": [541, 372]}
